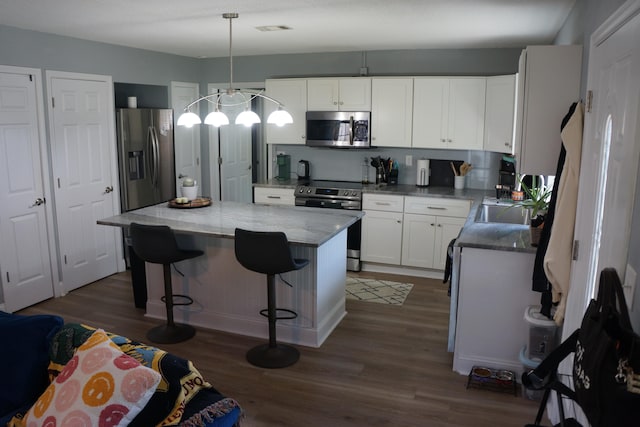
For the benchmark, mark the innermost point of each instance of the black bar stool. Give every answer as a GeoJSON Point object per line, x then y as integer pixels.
{"type": "Point", "coordinates": [157, 244]}
{"type": "Point", "coordinates": [269, 253]}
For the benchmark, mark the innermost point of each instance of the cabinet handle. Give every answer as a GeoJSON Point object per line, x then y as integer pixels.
{"type": "Point", "coordinates": [506, 144]}
{"type": "Point", "coordinates": [439, 225]}
{"type": "Point", "coordinates": [341, 103]}
{"type": "Point", "coordinates": [432, 224]}
{"type": "Point", "coordinates": [436, 208]}
{"type": "Point", "coordinates": [398, 221]}
{"type": "Point", "coordinates": [273, 197]}
{"type": "Point", "coordinates": [335, 103]}
{"type": "Point", "coordinates": [442, 140]}
{"type": "Point", "coordinates": [448, 140]}
{"type": "Point", "coordinates": [383, 204]}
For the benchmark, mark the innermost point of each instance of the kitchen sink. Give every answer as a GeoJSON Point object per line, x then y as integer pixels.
{"type": "Point", "coordinates": [503, 213]}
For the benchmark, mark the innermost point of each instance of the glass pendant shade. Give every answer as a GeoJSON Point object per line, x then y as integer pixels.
{"type": "Point", "coordinates": [280, 117]}
{"type": "Point", "coordinates": [189, 119]}
{"type": "Point", "coordinates": [247, 118]}
{"type": "Point", "coordinates": [216, 118]}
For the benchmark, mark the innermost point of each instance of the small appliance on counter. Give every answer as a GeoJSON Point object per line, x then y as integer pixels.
{"type": "Point", "coordinates": [422, 174]}
{"type": "Point", "coordinates": [304, 172]}
{"type": "Point", "coordinates": [284, 167]}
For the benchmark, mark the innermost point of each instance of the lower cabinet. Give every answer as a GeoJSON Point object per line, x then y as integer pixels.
{"type": "Point", "coordinates": [382, 228]}
{"type": "Point", "coordinates": [274, 196]}
{"type": "Point", "coordinates": [410, 231]}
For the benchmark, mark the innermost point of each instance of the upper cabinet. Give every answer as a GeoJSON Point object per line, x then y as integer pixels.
{"type": "Point", "coordinates": [293, 94]}
{"type": "Point", "coordinates": [499, 113]}
{"type": "Point", "coordinates": [449, 112]}
{"type": "Point", "coordinates": [548, 83]}
{"type": "Point", "coordinates": [391, 111]}
{"type": "Point", "coordinates": [339, 94]}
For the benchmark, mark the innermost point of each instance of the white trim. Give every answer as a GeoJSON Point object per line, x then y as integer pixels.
{"type": "Point", "coordinates": [613, 23]}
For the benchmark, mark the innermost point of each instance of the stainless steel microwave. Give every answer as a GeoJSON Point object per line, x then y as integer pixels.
{"type": "Point", "coordinates": [339, 129]}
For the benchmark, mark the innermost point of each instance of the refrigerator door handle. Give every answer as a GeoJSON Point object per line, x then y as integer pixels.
{"type": "Point", "coordinates": [156, 155]}
{"type": "Point", "coordinates": [153, 162]}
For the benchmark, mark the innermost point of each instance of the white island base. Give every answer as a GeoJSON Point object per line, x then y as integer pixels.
{"type": "Point", "coordinates": [228, 297]}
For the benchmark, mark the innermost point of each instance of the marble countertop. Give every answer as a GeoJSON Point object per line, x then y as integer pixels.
{"type": "Point", "coordinates": [495, 236]}
{"type": "Point", "coordinates": [303, 226]}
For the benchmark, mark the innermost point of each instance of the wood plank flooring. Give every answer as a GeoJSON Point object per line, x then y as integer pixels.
{"type": "Point", "coordinates": [384, 365]}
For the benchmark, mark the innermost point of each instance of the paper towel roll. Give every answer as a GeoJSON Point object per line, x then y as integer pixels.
{"type": "Point", "coordinates": [422, 175]}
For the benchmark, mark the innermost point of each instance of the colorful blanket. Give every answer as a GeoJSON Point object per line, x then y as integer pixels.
{"type": "Point", "coordinates": [181, 382]}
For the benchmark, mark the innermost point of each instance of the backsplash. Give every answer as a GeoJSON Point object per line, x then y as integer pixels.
{"type": "Point", "coordinates": [346, 164]}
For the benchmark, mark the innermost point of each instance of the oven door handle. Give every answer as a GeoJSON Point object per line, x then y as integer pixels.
{"type": "Point", "coordinates": [351, 130]}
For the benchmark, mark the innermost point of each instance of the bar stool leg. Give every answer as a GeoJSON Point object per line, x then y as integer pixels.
{"type": "Point", "coordinates": [272, 355]}
{"type": "Point", "coordinates": [171, 332]}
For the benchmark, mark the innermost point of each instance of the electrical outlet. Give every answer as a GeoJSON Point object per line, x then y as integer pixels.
{"type": "Point", "coordinates": [629, 285]}
{"type": "Point", "coordinates": [408, 160]}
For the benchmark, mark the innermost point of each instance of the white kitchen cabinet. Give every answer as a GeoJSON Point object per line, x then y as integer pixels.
{"type": "Point", "coordinates": [448, 112]}
{"type": "Point", "coordinates": [274, 196]}
{"type": "Point", "coordinates": [391, 111]}
{"type": "Point", "coordinates": [428, 227]}
{"type": "Point", "coordinates": [548, 83]}
{"type": "Point", "coordinates": [339, 94]}
{"type": "Point", "coordinates": [493, 293]}
{"type": "Point", "coordinates": [500, 113]}
{"type": "Point", "coordinates": [382, 228]}
{"type": "Point", "coordinates": [293, 94]}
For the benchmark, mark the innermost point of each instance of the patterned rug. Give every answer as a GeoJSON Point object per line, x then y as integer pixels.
{"type": "Point", "coordinates": [374, 290]}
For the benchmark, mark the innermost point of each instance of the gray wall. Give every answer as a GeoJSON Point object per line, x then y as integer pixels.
{"type": "Point", "coordinates": [39, 50]}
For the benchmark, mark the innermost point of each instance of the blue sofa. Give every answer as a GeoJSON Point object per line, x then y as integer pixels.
{"type": "Point", "coordinates": [37, 348]}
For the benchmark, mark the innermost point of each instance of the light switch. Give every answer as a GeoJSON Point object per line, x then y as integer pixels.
{"type": "Point", "coordinates": [629, 285]}
{"type": "Point", "coordinates": [408, 160]}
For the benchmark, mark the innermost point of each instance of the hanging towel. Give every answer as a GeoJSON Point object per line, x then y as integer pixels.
{"type": "Point", "coordinates": [557, 260]}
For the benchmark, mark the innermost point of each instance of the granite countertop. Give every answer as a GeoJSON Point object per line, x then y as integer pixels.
{"type": "Point", "coordinates": [495, 236]}
{"type": "Point", "coordinates": [303, 226]}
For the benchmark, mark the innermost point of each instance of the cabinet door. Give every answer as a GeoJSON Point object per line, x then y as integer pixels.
{"type": "Point", "coordinates": [323, 94]}
{"type": "Point", "coordinates": [447, 229]}
{"type": "Point", "coordinates": [465, 125]}
{"type": "Point", "coordinates": [418, 237]}
{"type": "Point", "coordinates": [293, 94]}
{"type": "Point", "coordinates": [355, 94]}
{"type": "Point", "coordinates": [430, 111]}
{"type": "Point", "coordinates": [391, 111]}
{"type": "Point", "coordinates": [382, 237]}
{"type": "Point", "coordinates": [499, 114]}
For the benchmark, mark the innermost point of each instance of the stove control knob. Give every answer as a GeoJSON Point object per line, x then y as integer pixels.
{"type": "Point", "coordinates": [353, 193]}
{"type": "Point", "coordinates": [308, 190]}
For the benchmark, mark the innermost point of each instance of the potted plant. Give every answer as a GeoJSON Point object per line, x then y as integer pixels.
{"type": "Point", "coordinates": [536, 200]}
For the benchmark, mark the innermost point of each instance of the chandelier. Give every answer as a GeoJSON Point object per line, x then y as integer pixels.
{"type": "Point", "coordinates": [229, 98]}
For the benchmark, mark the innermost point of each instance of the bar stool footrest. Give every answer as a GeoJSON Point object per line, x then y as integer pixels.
{"type": "Point", "coordinates": [292, 314]}
{"type": "Point", "coordinates": [187, 299]}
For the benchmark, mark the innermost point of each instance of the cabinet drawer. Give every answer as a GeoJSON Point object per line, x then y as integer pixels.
{"type": "Point", "coordinates": [437, 206]}
{"type": "Point", "coordinates": [382, 202]}
{"type": "Point", "coordinates": [274, 196]}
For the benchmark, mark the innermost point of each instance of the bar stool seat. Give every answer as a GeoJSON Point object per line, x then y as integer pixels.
{"type": "Point", "coordinates": [157, 244]}
{"type": "Point", "coordinates": [269, 253]}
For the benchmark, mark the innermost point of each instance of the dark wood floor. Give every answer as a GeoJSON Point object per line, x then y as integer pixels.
{"type": "Point", "coordinates": [383, 366]}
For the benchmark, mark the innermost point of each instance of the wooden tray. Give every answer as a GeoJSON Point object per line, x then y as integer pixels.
{"type": "Point", "coordinates": [199, 202]}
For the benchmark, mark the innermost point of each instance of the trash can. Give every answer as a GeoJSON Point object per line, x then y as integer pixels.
{"type": "Point", "coordinates": [529, 365]}
{"type": "Point", "coordinates": [542, 334]}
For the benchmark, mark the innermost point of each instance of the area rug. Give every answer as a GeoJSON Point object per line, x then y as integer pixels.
{"type": "Point", "coordinates": [374, 290]}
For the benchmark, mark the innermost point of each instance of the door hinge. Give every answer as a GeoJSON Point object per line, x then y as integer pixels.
{"type": "Point", "coordinates": [197, 161]}
{"type": "Point", "coordinates": [576, 250]}
{"type": "Point", "coordinates": [58, 182]}
{"type": "Point", "coordinates": [589, 101]}
{"type": "Point", "coordinates": [220, 160]}
{"type": "Point", "coordinates": [65, 260]}
{"type": "Point", "coordinates": [8, 280]}
{"type": "Point", "coordinates": [30, 77]}
{"type": "Point", "coordinates": [53, 102]}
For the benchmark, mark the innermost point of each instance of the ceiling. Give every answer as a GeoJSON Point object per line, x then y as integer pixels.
{"type": "Point", "coordinates": [196, 28]}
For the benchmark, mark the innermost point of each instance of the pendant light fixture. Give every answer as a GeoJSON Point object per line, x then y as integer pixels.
{"type": "Point", "coordinates": [229, 98]}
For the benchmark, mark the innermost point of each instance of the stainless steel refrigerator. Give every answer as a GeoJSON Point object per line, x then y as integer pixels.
{"type": "Point", "coordinates": [145, 156]}
{"type": "Point", "coordinates": [146, 165]}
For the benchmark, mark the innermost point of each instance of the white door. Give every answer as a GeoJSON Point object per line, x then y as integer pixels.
{"type": "Point", "coordinates": [24, 251]}
{"type": "Point", "coordinates": [235, 152]}
{"type": "Point", "coordinates": [81, 113]}
{"type": "Point", "coordinates": [186, 140]}
{"type": "Point", "coordinates": [609, 160]}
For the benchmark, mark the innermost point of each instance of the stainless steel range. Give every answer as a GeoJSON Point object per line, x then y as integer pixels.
{"type": "Point", "coordinates": [336, 195]}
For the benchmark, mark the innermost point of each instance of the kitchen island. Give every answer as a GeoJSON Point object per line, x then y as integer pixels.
{"type": "Point", "coordinates": [228, 297]}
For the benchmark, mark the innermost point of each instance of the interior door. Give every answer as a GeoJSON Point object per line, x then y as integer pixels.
{"type": "Point", "coordinates": [83, 152]}
{"type": "Point", "coordinates": [24, 251]}
{"type": "Point", "coordinates": [186, 140]}
{"type": "Point", "coordinates": [235, 151]}
{"type": "Point", "coordinates": [609, 163]}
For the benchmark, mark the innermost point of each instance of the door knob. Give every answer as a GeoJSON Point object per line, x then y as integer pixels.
{"type": "Point", "coordinates": [108, 190]}
{"type": "Point", "coordinates": [39, 201]}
